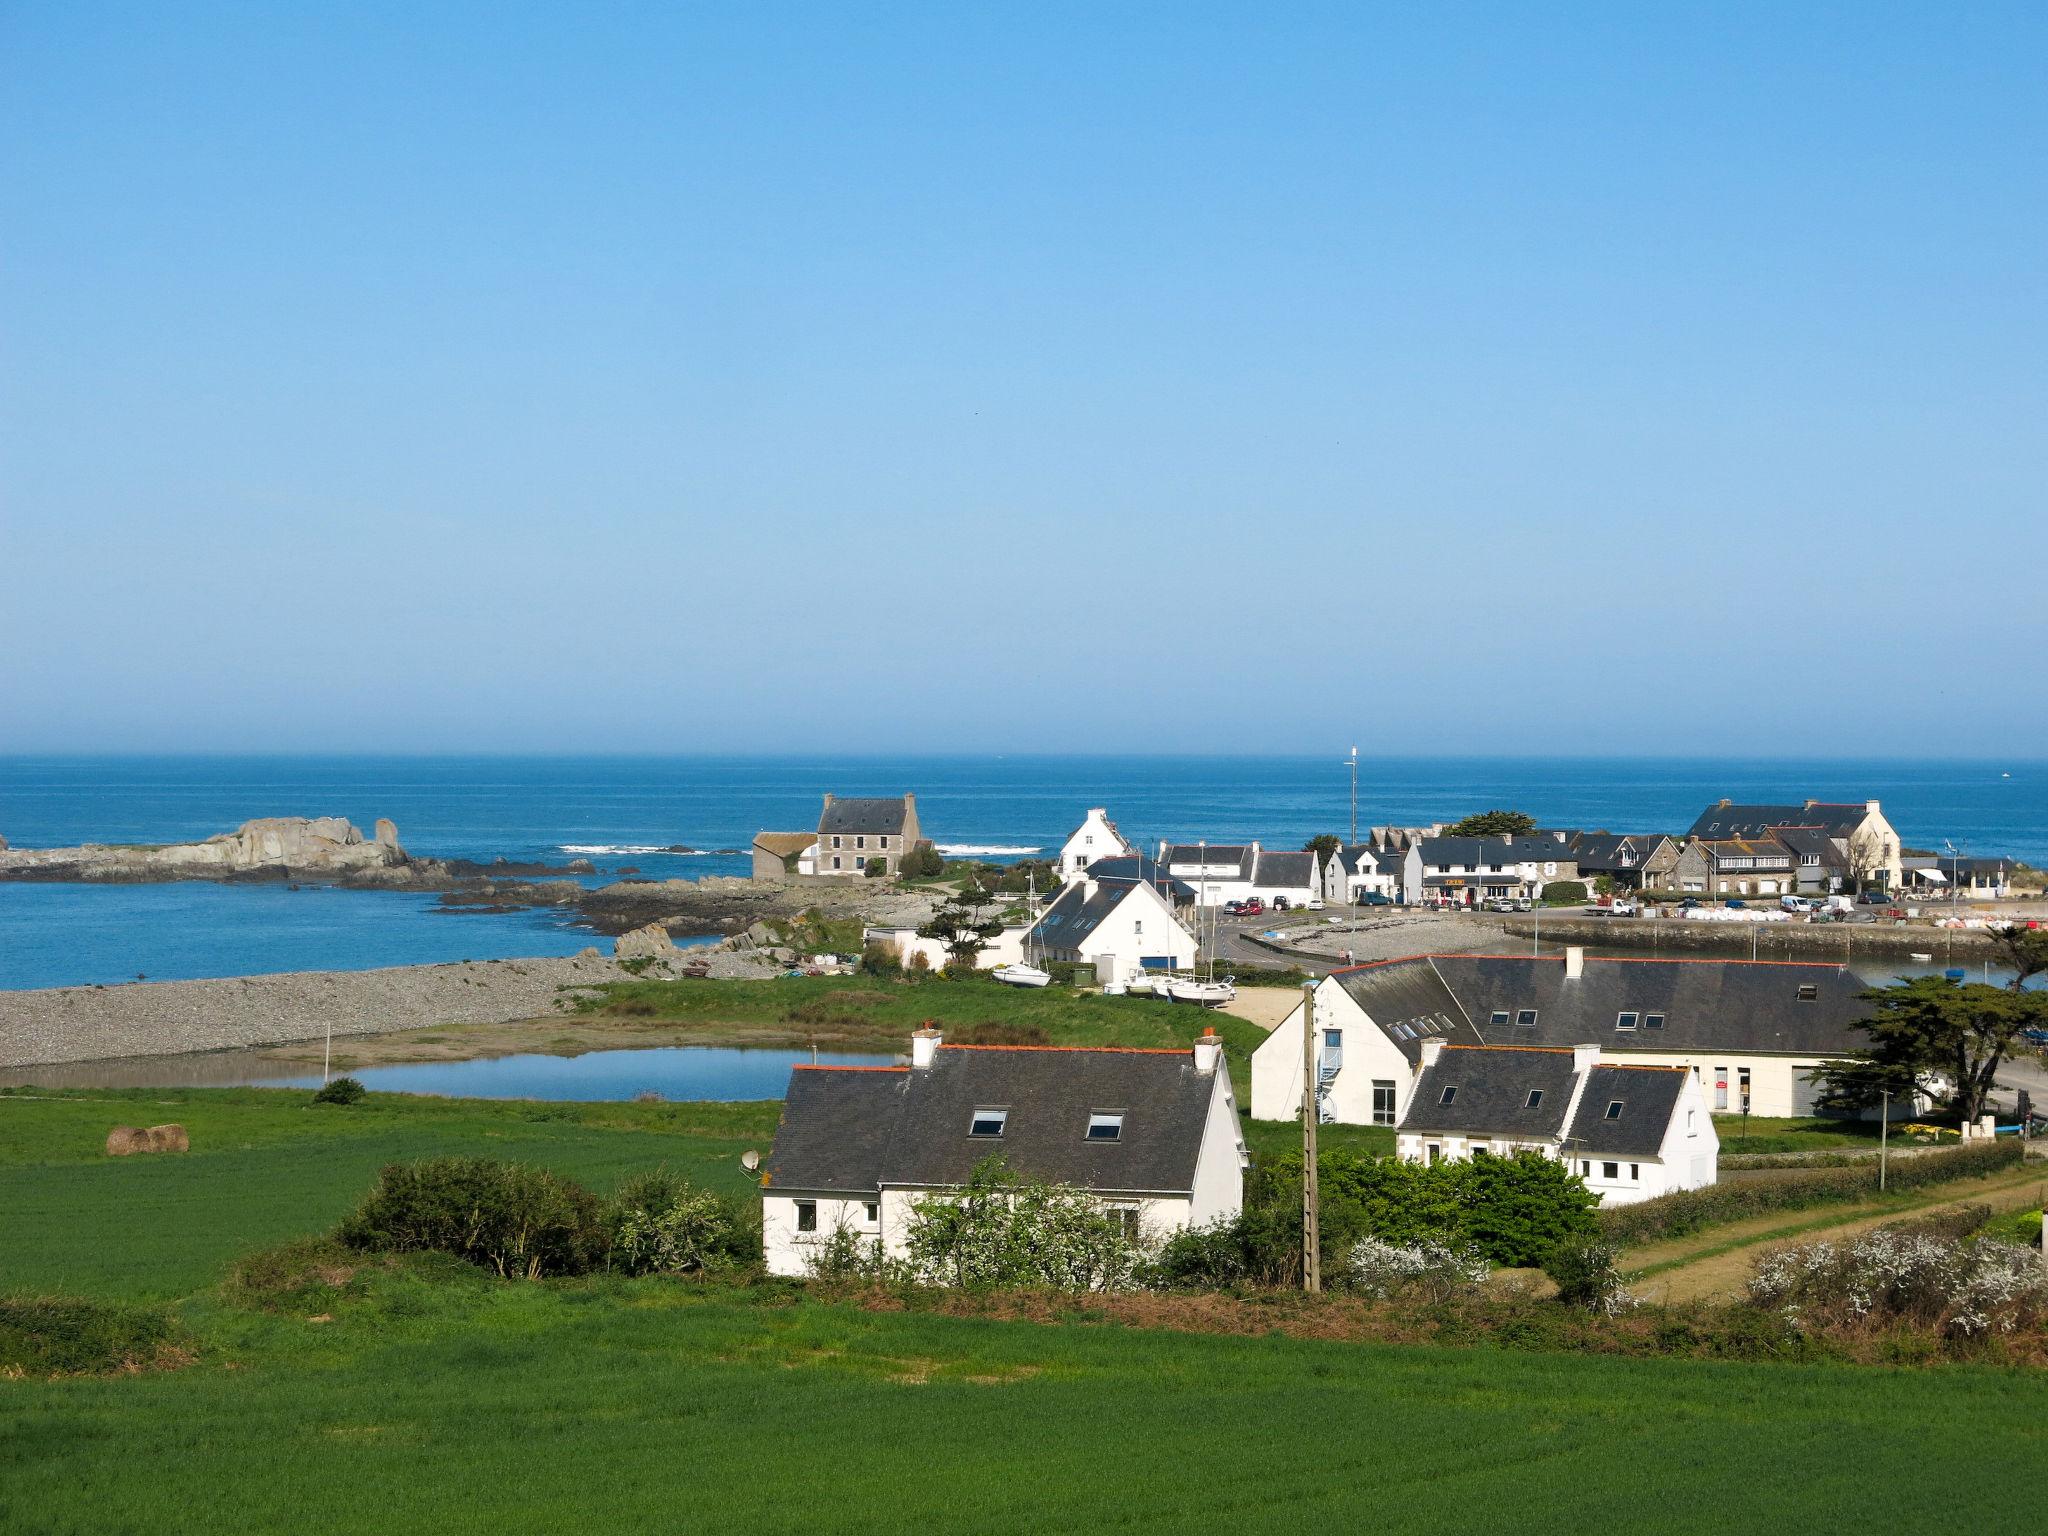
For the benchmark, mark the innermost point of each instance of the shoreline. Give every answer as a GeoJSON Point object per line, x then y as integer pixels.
{"type": "Point", "coordinates": [58, 1025]}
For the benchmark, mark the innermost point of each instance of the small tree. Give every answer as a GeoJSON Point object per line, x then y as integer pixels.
{"type": "Point", "coordinates": [1933, 1036]}
{"type": "Point", "coordinates": [1323, 844]}
{"type": "Point", "coordinates": [1562, 893]}
{"type": "Point", "coordinates": [964, 925]}
{"type": "Point", "coordinates": [1493, 824]}
{"type": "Point", "coordinates": [2023, 949]}
{"type": "Point", "coordinates": [922, 863]}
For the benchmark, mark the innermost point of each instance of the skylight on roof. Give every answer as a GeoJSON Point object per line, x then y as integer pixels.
{"type": "Point", "coordinates": [1614, 1110]}
{"type": "Point", "coordinates": [1450, 1093]}
{"type": "Point", "coordinates": [1526, 1019]}
{"type": "Point", "coordinates": [1106, 1125]}
{"type": "Point", "coordinates": [988, 1122]}
{"type": "Point", "coordinates": [1625, 1021]}
{"type": "Point", "coordinates": [1500, 1016]}
{"type": "Point", "coordinates": [1808, 991]}
{"type": "Point", "coordinates": [1535, 1099]}
{"type": "Point", "coordinates": [1653, 1021]}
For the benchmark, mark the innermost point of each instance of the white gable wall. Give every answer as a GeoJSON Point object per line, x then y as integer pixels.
{"type": "Point", "coordinates": [1369, 1057]}
{"type": "Point", "coordinates": [1093, 839]}
{"type": "Point", "coordinates": [1142, 926]}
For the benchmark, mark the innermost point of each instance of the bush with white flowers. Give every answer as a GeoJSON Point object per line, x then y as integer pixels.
{"type": "Point", "coordinates": [1429, 1267]}
{"type": "Point", "coordinates": [1966, 1289]}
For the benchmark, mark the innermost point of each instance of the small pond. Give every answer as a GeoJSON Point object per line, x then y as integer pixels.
{"type": "Point", "coordinates": [678, 1072]}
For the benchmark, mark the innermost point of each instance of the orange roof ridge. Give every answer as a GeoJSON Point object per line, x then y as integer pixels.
{"type": "Point", "coordinates": [828, 1066]}
{"type": "Point", "coordinates": [1554, 1050]}
{"type": "Point", "coordinates": [1125, 1050]}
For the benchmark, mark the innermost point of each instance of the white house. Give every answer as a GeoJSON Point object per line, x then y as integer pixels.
{"type": "Point", "coordinates": [1006, 948]}
{"type": "Point", "coordinates": [1631, 1132]}
{"type": "Point", "coordinates": [1153, 1133]}
{"type": "Point", "coordinates": [1467, 871]}
{"type": "Point", "coordinates": [1869, 847]}
{"type": "Point", "coordinates": [1223, 873]}
{"type": "Point", "coordinates": [1750, 1032]}
{"type": "Point", "coordinates": [1365, 870]}
{"type": "Point", "coordinates": [1096, 838]}
{"type": "Point", "coordinates": [1121, 927]}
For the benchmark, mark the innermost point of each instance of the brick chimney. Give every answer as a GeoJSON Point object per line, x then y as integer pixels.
{"type": "Point", "coordinates": [1574, 962]}
{"type": "Point", "coordinates": [1431, 1049]}
{"type": "Point", "coordinates": [924, 1046]}
{"type": "Point", "coordinates": [1208, 1052]}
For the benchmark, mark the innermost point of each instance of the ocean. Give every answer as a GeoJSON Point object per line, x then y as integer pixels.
{"type": "Point", "coordinates": [623, 813]}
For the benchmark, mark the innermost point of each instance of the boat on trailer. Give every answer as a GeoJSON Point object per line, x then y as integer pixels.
{"type": "Point", "coordinates": [1213, 993]}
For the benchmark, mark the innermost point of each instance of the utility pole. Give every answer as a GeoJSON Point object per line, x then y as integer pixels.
{"type": "Point", "coordinates": [1311, 1239]}
{"type": "Point", "coordinates": [1883, 1136]}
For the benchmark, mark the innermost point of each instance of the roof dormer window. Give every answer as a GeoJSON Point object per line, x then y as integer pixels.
{"type": "Point", "coordinates": [1614, 1110]}
{"type": "Point", "coordinates": [988, 1123]}
{"type": "Point", "coordinates": [1106, 1125]}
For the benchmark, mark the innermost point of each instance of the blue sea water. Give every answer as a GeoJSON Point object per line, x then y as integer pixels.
{"type": "Point", "coordinates": [622, 812]}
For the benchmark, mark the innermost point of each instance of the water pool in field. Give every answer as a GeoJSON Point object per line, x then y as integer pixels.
{"type": "Point", "coordinates": [678, 1072]}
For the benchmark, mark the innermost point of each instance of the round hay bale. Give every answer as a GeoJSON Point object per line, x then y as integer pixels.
{"type": "Point", "coordinates": [125, 1139]}
{"type": "Point", "coordinates": [169, 1138]}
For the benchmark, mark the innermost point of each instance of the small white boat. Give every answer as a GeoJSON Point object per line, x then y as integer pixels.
{"type": "Point", "coordinates": [1144, 984]}
{"type": "Point", "coordinates": [1208, 994]}
{"type": "Point", "coordinates": [1021, 975]}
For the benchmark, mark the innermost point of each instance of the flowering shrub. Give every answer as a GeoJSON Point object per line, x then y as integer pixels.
{"type": "Point", "coordinates": [1429, 1267]}
{"type": "Point", "coordinates": [1002, 1230]}
{"type": "Point", "coordinates": [663, 1224]}
{"type": "Point", "coordinates": [1965, 1290]}
{"type": "Point", "coordinates": [1586, 1276]}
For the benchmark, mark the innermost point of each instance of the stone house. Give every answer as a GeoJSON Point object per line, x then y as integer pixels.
{"type": "Point", "coordinates": [785, 855]}
{"type": "Point", "coordinates": [855, 835]}
{"type": "Point", "coordinates": [1870, 850]}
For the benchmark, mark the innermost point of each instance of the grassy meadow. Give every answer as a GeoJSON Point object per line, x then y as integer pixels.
{"type": "Point", "coordinates": [421, 1393]}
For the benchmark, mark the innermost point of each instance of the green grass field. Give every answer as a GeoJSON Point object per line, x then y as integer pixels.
{"type": "Point", "coordinates": [431, 1396]}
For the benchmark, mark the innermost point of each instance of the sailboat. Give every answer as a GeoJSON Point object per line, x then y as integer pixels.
{"type": "Point", "coordinates": [1209, 992]}
{"type": "Point", "coordinates": [1022, 973]}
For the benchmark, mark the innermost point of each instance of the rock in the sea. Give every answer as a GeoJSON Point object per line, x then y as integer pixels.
{"type": "Point", "coordinates": [649, 943]}
{"type": "Point", "coordinates": [387, 832]}
{"type": "Point", "coordinates": [3, 844]}
{"type": "Point", "coordinates": [272, 844]}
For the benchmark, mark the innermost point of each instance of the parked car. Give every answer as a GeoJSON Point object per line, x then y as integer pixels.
{"type": "Point", "coordinates": [1737, 904]}
{"type": "Point", "coordinates": [1280, 904]}
{"type": "Point", "coordinates": [1691, 903]}
{"type": "Point", "coordinates": [1375, 899]}
{"type": "Point", "coordinates": [1796, 904]}
{"type": "Point", "coordinates": [1250, 908]}
{"type": "Point", "coordinates": [1313, 904]}
{"type": "Point", "coordinates": [1873, 899]}
{"type": "Point", "coordinates": [1524, 904]}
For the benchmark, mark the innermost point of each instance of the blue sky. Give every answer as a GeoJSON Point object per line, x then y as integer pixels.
{"type": "Point", "coordinates": [1489, 378]}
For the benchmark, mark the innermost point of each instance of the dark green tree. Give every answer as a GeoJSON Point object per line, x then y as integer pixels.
{"type": "Point", "coordinates": [1493, 824]}
{"type": "Point", "coordinates": [1323, 844]}
{"type": "Point", "coordinates": [922, 863]}
{"type": "Point", "coordinates": [964, 925]}
{"type": "Point", "coordinates": [2023, 949]}
{"type": "Point", "coordinates": [1934, 1036]}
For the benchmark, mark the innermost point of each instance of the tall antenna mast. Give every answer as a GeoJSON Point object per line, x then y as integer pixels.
{"type": "Point", "coordinates": [1353, 761]}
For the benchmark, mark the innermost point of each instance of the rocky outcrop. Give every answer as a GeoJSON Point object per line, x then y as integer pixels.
{"type": "Point", "coordinates": [649, 943]}
{"type": "Point", "coordinates": [387, 832]}
{"type": "Point", "coordinates": [322, 845]}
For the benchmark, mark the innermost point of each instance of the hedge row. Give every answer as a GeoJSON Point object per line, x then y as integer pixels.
{"type": "Point", "coordinates": [1690, 1210]}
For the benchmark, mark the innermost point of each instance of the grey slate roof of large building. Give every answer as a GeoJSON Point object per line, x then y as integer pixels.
{"type": "Point", "coordinates": [1539, 847]}
{"type": "Point", "coordinates": [1721, 821]}
{"type": "Point", "coordinates": [1139, 870]}
{"type": "Point", "coordinates": [1647, 1095]}
{"type": "Point", "coordinates": [1287, 870]}
{"type": "Point", "coordinates": [864, 816]}
{"type": "Point", "coordinates": [1216, 856]}
{"type": "Point", "coordinates": [1729, 1005]}
{"type": "Point", "coordinates": [1490, 1092]}
{"type": "Point", "coordinates": [1739, 1006]}
{"type": "Point", "coordinates": [1077, 913]}
{"type": "Point", "coordinates": [852, 1131]}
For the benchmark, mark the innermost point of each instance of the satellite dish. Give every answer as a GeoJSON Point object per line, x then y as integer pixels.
{"type": "Point", "coordinates": [750, 1159]}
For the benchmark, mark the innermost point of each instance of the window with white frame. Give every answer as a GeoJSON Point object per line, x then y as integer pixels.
{"type": "Point", "coordinates": [1525, 1018]}
{"type": "Point", "coordinates": [872, 1211]}
{"type": "Point", "coordinates": [988, 1123]}
{"type": "Point", "coordinates": [1625, 1020]}
{"type": "Point", "coordinates": [807, 1215]}
{"type": "Point", "coordinates": [1382, 1102]}
{"type": "Point", "coordinates": [1614, 1110]}
{"type": "Point", "coordinates": [1106, 1125]}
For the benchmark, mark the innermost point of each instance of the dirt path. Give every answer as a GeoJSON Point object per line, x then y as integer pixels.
{"type": "Point", "coordinates": [1721, 1271]}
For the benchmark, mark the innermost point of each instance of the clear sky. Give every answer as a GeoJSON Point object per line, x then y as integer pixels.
{"type": "Point", "coordinates": [1487, 378]}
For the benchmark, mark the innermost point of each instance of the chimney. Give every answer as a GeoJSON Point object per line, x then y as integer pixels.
{"type": "Point", "coordinates": [910, 802]}
{"type": "Point", "coordinates": [1574, 962]}
{"type": "Point", "coordinates": [1208, 1053]}
{"type": "Point", "coordinates": [1870, 806]}
{"type": "Point", "coordinates": [828, 800]}
{"type": "Point", "coordinates": [924, 1045]}
{"type": "Point", "coordinates": [1431, 1049]}
{"type": "Point", "coordinates": [1585, 1058]}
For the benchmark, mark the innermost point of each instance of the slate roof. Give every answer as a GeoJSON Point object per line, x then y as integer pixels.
{"type": "Point", "coordinates": [1076, 913]}
{"type": "Point", "coordinates": [1408, 1000]}
{"type": "Point", "coordinates": [1536, 847]}
{"type": "Point", "coordinates": [1803, 840]}
{"type": "Point", "coordinates": [852, 1131]}
{"type": "Point", "coordinates": [1767, 847]}
{"type": "Point", "coordinates": [863, 816]}
{"type": "Point", "coordinates": [1285, 870]}
{"type": "Point", "coordinates": [1741, 1006]}
{"type": "Point", "coordinates": [1761, 820]}
{"type": "Point", "coordinates": [1648, 1097]}
{"type": "Point", "coordinates": [1143, 871]}
{"type": "Point", "coordinates": [836, 1127]}
{"type": "Point", "coordinates": [1216, 856]}
{"type": "Point", "coordinates": [1492, 1087]}
{"type": "Point", "coordinates": [785, 843]}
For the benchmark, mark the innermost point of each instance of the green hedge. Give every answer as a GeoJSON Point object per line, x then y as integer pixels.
{"type": "Point", "coordinates": [1690, 1210]}
{"type": "Point", "coordinates": [71, 1336]}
